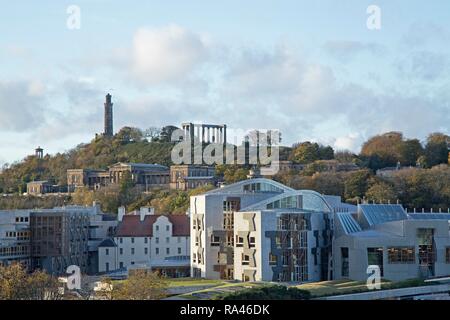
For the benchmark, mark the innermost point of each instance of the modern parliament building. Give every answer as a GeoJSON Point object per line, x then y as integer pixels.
{"type": "Point", "coordinates": [261, 230]}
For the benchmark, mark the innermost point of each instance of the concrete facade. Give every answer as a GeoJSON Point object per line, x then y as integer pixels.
{"type": "Point", "coordinates": [261, 230]}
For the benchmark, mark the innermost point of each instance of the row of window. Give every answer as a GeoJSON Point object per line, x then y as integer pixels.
{"type": "Point", "coordinates": [145, 251]}
{"type": "Point", "coordinates": [15, 250]}
{"type": "Point", "coordinates": [21, 219]}
{"type": "Point", "coordinates": [132, 239]}
{"type": "Point", "coordinates": [21, 235]}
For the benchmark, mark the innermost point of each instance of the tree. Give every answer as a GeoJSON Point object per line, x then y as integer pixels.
{"type": "Point", "coordinates": [42, 286]}
{"type": "Point", "coordinates": [166, 133]}
{"type": "Point", "coordinates": [437, 149]}
{"type": "Point", "coordinates": [16, 284]}
{"type": "Point", "coordinates": [128, 134]}
{"type": "Point", "coordinates": [140, 285]}
{"type": "Point", "coordinates": [409, 152]}
{"type": "Point", "coordinates": [382, 150]}
{"type": "Point", "coordinates": [381, 192]}
{"type": "Point", "coordinates": [356, 184]}
{"type": "Point", "coordinates": [13, 282]}
{"type": "Point", "coordinates": [307, 152]}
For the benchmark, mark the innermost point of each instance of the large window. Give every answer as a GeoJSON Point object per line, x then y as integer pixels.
{"type": "Point", "coordinates": [288, 202]}
{"type": "Point", "coordinates": [344, 261]}
{"type": "Point", "coordinates": [375, 257]}
{"type": "Point", "coordinates": [261, 187]}
{"type": "Point", "coordinates": [401, 255]}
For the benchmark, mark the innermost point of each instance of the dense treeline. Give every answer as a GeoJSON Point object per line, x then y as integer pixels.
{"type": "Point", "coordinates": [414, 188]}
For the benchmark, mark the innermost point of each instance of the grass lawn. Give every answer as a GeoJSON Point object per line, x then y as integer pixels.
{"type": "Point", "coordinates": [214, 292]}
{"type": "Point", "coordinates": [191, 282]}
{"type": "Point", "coordinates": [337, 287]}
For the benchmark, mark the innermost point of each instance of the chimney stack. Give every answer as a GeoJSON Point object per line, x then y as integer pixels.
{"type": "Point", "coordinates": [146, 211]}
{"type": "Point", "coordinates": [120, 213]}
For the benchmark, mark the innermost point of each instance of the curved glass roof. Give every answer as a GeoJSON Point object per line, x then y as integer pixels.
{"type": "Point", "coordinates": [300, 199]}
{"type": "Point", "coordinates": [257, 185]}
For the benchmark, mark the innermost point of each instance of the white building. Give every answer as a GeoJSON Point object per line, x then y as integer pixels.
{"type": "Point", "coordinates": [15, 237]}
{"type": "Point", "coordinates": [261, 230]}
{"type": "Point", "coordinates": [159, 242]}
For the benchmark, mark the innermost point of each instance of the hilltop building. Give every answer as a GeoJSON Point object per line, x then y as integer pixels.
{"type": "Point", "coordinates": [187, 176]}
{"type": "Point", "coordinates": [146, 176]}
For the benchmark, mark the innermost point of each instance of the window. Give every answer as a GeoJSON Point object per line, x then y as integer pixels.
{"type": "Point", "coordinates": [272, 259]}
{"type": "Point", "coordinates": [121, 251]}
{"type": "Point", "coordinates": [344, 262]}
{"type": "Point", "coordinates": [107, 266]}
{"type": "Point", "coordinates": [375, 257]}
{"type": "Point", "coordinates": [157, 250]}
{"type": "Point", "coordinates": [132, 262]}
{"type": "Point", "coordinates": [252, 242]}
{"type": "Point", "coordinates": [145, 240]}
{"type": "Point", "coordinates": [167, 228]}
{"type": "Point", "coordinates": [215, 241]}
{"type": "Point", "coordinates": [132, 250]}
{"type": "Point", "coordinates": [447, 255]}
{"type": "Point", "coordinates": [167, 250]}
{"type": "Point", "coordinates": [179, 239]}
{"type": "Point", "coordinates": [132, 240]}
{"type": "Point", "coordinates": [239, 241]}
{"type": "Point", "coordinates": [120, 264]}
{"type": "Point", "coordinates": [157, 228]}
{"type": "Point", "coordinates": [179, 250]}
{"type": "Point", "coordinates": [245, 259]}
{"type": "Point", "coordinates": [156, 240]}
{"type": "Point", "coordinates": [121, 240]}
{"type": "Point", "coordinates": [168, 240]}
{"type": "Point", "coordinates": [107, 252]}
{"type": "Point", "coordinates": [401, 255]}
{"type": "Point", "coordinates": [145, 250]}
{"type": "Point", "coordinates": [194, 257]}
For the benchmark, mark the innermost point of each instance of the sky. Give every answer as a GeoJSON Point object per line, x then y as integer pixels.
{"type": "Point", "coordinates": [312, 69]}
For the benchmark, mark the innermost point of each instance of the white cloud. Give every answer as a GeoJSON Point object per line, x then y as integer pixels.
{"type": "Point", "coordinates": [166, 54]}
{"type": "Point", "coordinates": [345, 50]}
{"type": "Point", "coordinates": [21, 106]}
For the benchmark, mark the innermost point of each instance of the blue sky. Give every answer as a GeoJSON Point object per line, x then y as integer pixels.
{"type": "Point", "coordinates": [311, 69]}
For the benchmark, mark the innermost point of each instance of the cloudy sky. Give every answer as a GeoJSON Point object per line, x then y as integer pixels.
{"type": "Point", "coordinates": [309, 68]}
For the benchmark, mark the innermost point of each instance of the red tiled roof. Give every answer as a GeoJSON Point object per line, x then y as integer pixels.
{"type": "Point", "coordinates": [132, 226]}
{"type": "Point", "coordinates": [180, 225]}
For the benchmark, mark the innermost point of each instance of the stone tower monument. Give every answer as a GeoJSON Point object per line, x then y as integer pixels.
{"type": "Point", "coordinates": [108, 117]}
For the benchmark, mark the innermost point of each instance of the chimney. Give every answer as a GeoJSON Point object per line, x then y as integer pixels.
{"type": "Point", "coordinates": [97, 207]}
{"type": "Point", "coordinates": [146, 211]}
{"type": "Point", "coordinates": [120, 213]}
